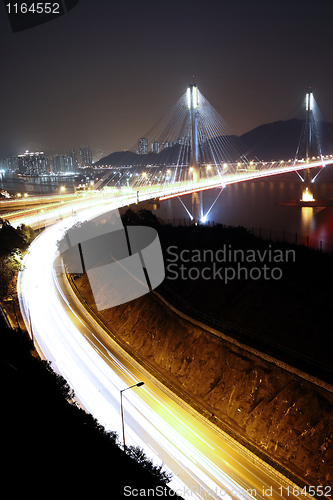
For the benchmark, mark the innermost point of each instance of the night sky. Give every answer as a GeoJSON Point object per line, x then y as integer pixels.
{"type": "Point", "coordinates": [106, 71]}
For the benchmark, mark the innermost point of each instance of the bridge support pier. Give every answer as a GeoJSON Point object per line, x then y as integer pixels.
{"type": "Point", "coordinates": [307, 194]}
{"type": "Point", "coordinates": [197, 207]}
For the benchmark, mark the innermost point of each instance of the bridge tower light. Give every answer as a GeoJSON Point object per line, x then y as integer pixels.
{"type": "Point", "coordinates": [189, 98]}
{"type": "Point", "coordinates": [309, 101]}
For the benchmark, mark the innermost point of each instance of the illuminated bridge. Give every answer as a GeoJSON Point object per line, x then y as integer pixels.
{"type": "Point", "coordinates": [192, 149]}
{"type": "Point", "coordinates": [200, 154]}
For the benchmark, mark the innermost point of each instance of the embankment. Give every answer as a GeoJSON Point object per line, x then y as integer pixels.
{"type": "Point", "coordinates": [281, 415]}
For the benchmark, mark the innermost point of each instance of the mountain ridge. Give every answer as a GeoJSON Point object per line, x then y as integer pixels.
{"type": "Point", "coordinates": [273, 141]}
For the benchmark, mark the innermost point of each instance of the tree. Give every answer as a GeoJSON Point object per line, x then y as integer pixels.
{"type": "Point", "coordinates": [13, 242]}
{"type": "Point", "coordinates": [12, 239]}
{"type": "Point", "coordinates": [147, 218]}
{"type": "Point", "coordinates": [9, 238]}
{"type": "Point", "coordinates": [26, 235]}
{"type": "Point", "coordinates": [130, 218]}
{"type": "Point", "coordinates": [139, 456]}
{"type": "Point", "coordinates": [5, 274]}
{"type": "Point", "coordinates": [144, 217]}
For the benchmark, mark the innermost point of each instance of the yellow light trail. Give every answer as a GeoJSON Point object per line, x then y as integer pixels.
{"type": "Point", "coordinates": [205, 462]}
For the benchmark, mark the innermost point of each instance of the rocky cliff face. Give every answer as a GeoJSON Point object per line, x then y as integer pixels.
{"type": "Point", "coordinates": [283, 415]}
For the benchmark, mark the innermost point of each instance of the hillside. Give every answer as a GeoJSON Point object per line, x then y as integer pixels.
{"type": "Point", "coordinates": [274, 141]}
{"type": "Point", "coordinates": [286, 418]}
{"type": "Point", "coordinates": [50, 445]}
{"type": "Point", "coordinates": [271, 141]}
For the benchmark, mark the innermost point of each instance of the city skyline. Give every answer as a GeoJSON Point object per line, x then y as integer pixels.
{"type": "Point", "coordinates": [103, 74]}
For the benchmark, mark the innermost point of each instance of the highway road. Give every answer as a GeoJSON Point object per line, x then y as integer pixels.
{"type": "Point", "coordinates": [54, 207]}
{"type": "Point", "coordinates": [205, 463]}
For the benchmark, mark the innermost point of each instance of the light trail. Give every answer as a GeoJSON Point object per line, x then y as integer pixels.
{"type": "Point", "coordinates": [205, 462]}
{"type": "Point", "coordinates": [51, 213]}
{"type": "Point", "coordinates": [183, 188]}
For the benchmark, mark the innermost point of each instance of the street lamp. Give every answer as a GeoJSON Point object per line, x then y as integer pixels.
{"type": "Point", "coordinates": [121, 406]}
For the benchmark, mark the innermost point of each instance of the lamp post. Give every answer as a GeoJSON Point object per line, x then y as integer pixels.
{"type": "Point", "coordinates": [121, 407]}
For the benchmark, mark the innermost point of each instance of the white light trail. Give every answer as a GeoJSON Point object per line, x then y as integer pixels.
{"type": "Point", "coordinates": [181, 201]}
{"type": "Point", "coordinates": [217, 197]}
{"type": "Point", "coordinates": [202, 458]}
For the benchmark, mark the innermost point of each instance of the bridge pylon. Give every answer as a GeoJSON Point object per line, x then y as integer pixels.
{"type": "Point", "coordinates": [307, 194]}
{"type": "Point", "coordinates": [193, 106]}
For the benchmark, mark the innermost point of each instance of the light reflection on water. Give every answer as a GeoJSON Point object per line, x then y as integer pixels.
{"type": "Point", "coordinates": [36, 186]}
{"type": "Point", "coordinates": [253, 204]}
{"type": "Point", "coordinates": [307, 219]}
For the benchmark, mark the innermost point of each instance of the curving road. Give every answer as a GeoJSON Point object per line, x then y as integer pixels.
{"type": "Point", "coordinates": [204, 461]}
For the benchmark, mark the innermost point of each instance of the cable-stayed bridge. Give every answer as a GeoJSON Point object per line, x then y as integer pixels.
{"type": "Point", "coordinates": [192, 149]}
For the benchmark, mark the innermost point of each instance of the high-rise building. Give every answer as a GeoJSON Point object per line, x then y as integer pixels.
{"type": "Point", "coordinates": [4, 163]}
{"type": "Point", "coordinates": [75, 165]}
{"type": "Point", "coordinates": [12, 163]}
{"type": "Point", "coordinates": [143, 146]}
{"type": "Point", "coordinates": [62, 164]}
{"type": "Point", "coordinates": [32, 163]}
{"type": "Point", "coordinates": [202, 139]}
{"type": "Point", "coordinates": [155, 147]}
{"type": "Point", "coordinates": [186, 140]}
{"type": "Point", "coordinates": [85, 157]}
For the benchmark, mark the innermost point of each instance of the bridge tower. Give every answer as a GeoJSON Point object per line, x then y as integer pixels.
{"type": "Point", "coordinates": [307, 194]}
{"type": "Point", "coordinates": [193, 105]}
